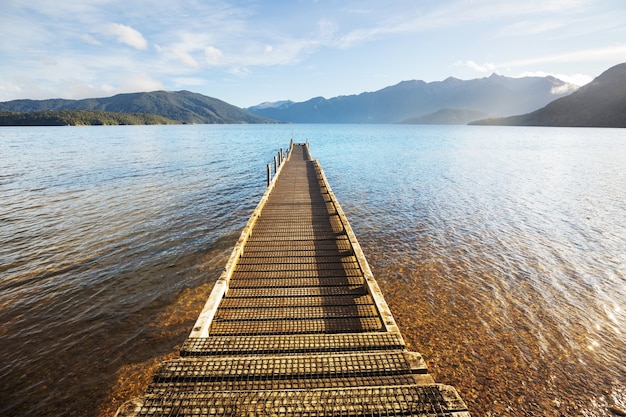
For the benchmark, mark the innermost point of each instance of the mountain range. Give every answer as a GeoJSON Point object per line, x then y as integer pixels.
{"type": "Point", "coordinates": [183, 106]}
{"type": "Point", "coordinates": [601, 103]}
{"type": "Point", "coordinates": [451, 101]}
{"type": "Point", "coordinates": [495, 96]}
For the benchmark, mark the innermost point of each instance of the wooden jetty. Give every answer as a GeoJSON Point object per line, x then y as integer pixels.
{"type": "Point", "coordinates": [296, 325]}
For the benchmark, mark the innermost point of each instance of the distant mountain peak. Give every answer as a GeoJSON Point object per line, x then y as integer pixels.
{"type": "Point", "coordinates": [273, 104]}
{"type": "Point", "coordinates": [601, 103]}
{"type": "Point", "coordinates": [410, 83]}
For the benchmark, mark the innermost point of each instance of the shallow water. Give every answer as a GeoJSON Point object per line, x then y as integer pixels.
{"type": "Point", "coordinates": [499, 250]}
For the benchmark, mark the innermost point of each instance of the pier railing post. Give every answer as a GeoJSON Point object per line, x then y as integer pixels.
{"type": "Point", "coordinates": [269, 175]}
{"type": "Point", "coordinates": [275, 166]}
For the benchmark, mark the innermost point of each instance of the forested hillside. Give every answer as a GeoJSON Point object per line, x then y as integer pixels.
{"type": "Point", "coordinates": [80, 118]}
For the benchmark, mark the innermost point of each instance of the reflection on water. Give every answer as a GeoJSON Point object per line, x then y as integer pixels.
{"type": "Point", "coordinates": [499, 250]}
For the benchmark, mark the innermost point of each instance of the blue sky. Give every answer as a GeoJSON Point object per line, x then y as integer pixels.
{"type": "Point", "coordinates": [248, 52]}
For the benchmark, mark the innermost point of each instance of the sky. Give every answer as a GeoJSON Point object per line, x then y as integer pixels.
{"type": "Point", "coordinates": [251, 51]}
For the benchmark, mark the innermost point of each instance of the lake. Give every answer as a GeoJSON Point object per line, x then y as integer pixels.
{"type": "Point", "coordinates": [500, 251]}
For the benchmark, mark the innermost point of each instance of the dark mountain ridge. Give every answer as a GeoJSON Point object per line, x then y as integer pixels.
{"type": "Point", "coordinates": [601, 103]}
{"type": "Point", "coordinates": [494, 95]}
{"type": "Point", "coordinates": [183, 106]}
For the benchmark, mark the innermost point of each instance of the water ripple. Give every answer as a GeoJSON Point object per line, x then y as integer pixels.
{"type": "Point", "coordinates": [500, 251]}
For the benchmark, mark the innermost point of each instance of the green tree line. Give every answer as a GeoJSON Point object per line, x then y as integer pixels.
{"type": "Point", "coordinates": [80, 118]}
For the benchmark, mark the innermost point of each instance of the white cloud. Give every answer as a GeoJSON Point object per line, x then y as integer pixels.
{"type": "Point", "coordinates": [77, 85]}
{"type": "Point", "coordinates": [124, 83]}
{"type": "Point", "coordinates": [212, 54]}
{"type": "Point", "coordinates": [139, 82]}
{"type": "Point", "coordinates": [530, 27]}
{"type": "Point", "coordinates": [8, 89]}
{"type": "Point", "coordinates": [533, 17]}
{"type": "Point", "coordinates": [357, 36]}
{"type": "Point", "coordinates": [564, 89]}
{"type": "Point", "coordinates": [286, 51]}
{"type": "Point", "coordinates": [49, 61]}
{"type": "Point", "coordinates": [79, 88]}
{"type": "Point", "coordinates": [575, 79]}
{"type": "Point", "coordinates": [186, 47]}
{"type": "Point", "coordinates": [90, 39]}
{"type": "Point", "coordinates": [180, 54]}
{"type": "Point", "coordinates": [615, 53]}
{"type": "Point", "coordinates": [188, 81]}
{"type": "Point", "coordinates": [326, 30]}
{"type": "Point", "coordinates": [484, 68]}
{"type": "Point", "coordinates": [357, 11]}
{"type": "Point", "coordinates": [239, 71]}
{"type": "Point", "coordinates": [186, 58]}
{"type": "Point", "coordinates": [126, 34]}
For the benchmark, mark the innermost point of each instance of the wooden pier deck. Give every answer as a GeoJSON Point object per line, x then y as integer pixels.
{"type": "Point", "coordinates": [296, 325]}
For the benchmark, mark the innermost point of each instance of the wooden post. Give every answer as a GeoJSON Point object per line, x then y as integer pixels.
{"type": "Point", "coordinates": [269, 175]}
{"type": "Point", "coordinates": [275, 166]}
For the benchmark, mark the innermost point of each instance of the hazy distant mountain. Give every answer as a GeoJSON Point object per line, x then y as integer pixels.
{"type": "Point", "coordinates": [183, 106]}
{"type": "Point", "coordinates": [601, 103]}
{"type": "Point", "coordinates": [494, 95]}
{"type": "Point", "coordinates": [447, 117]}
{"type": "Point", "coordinates": [274, 105]}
